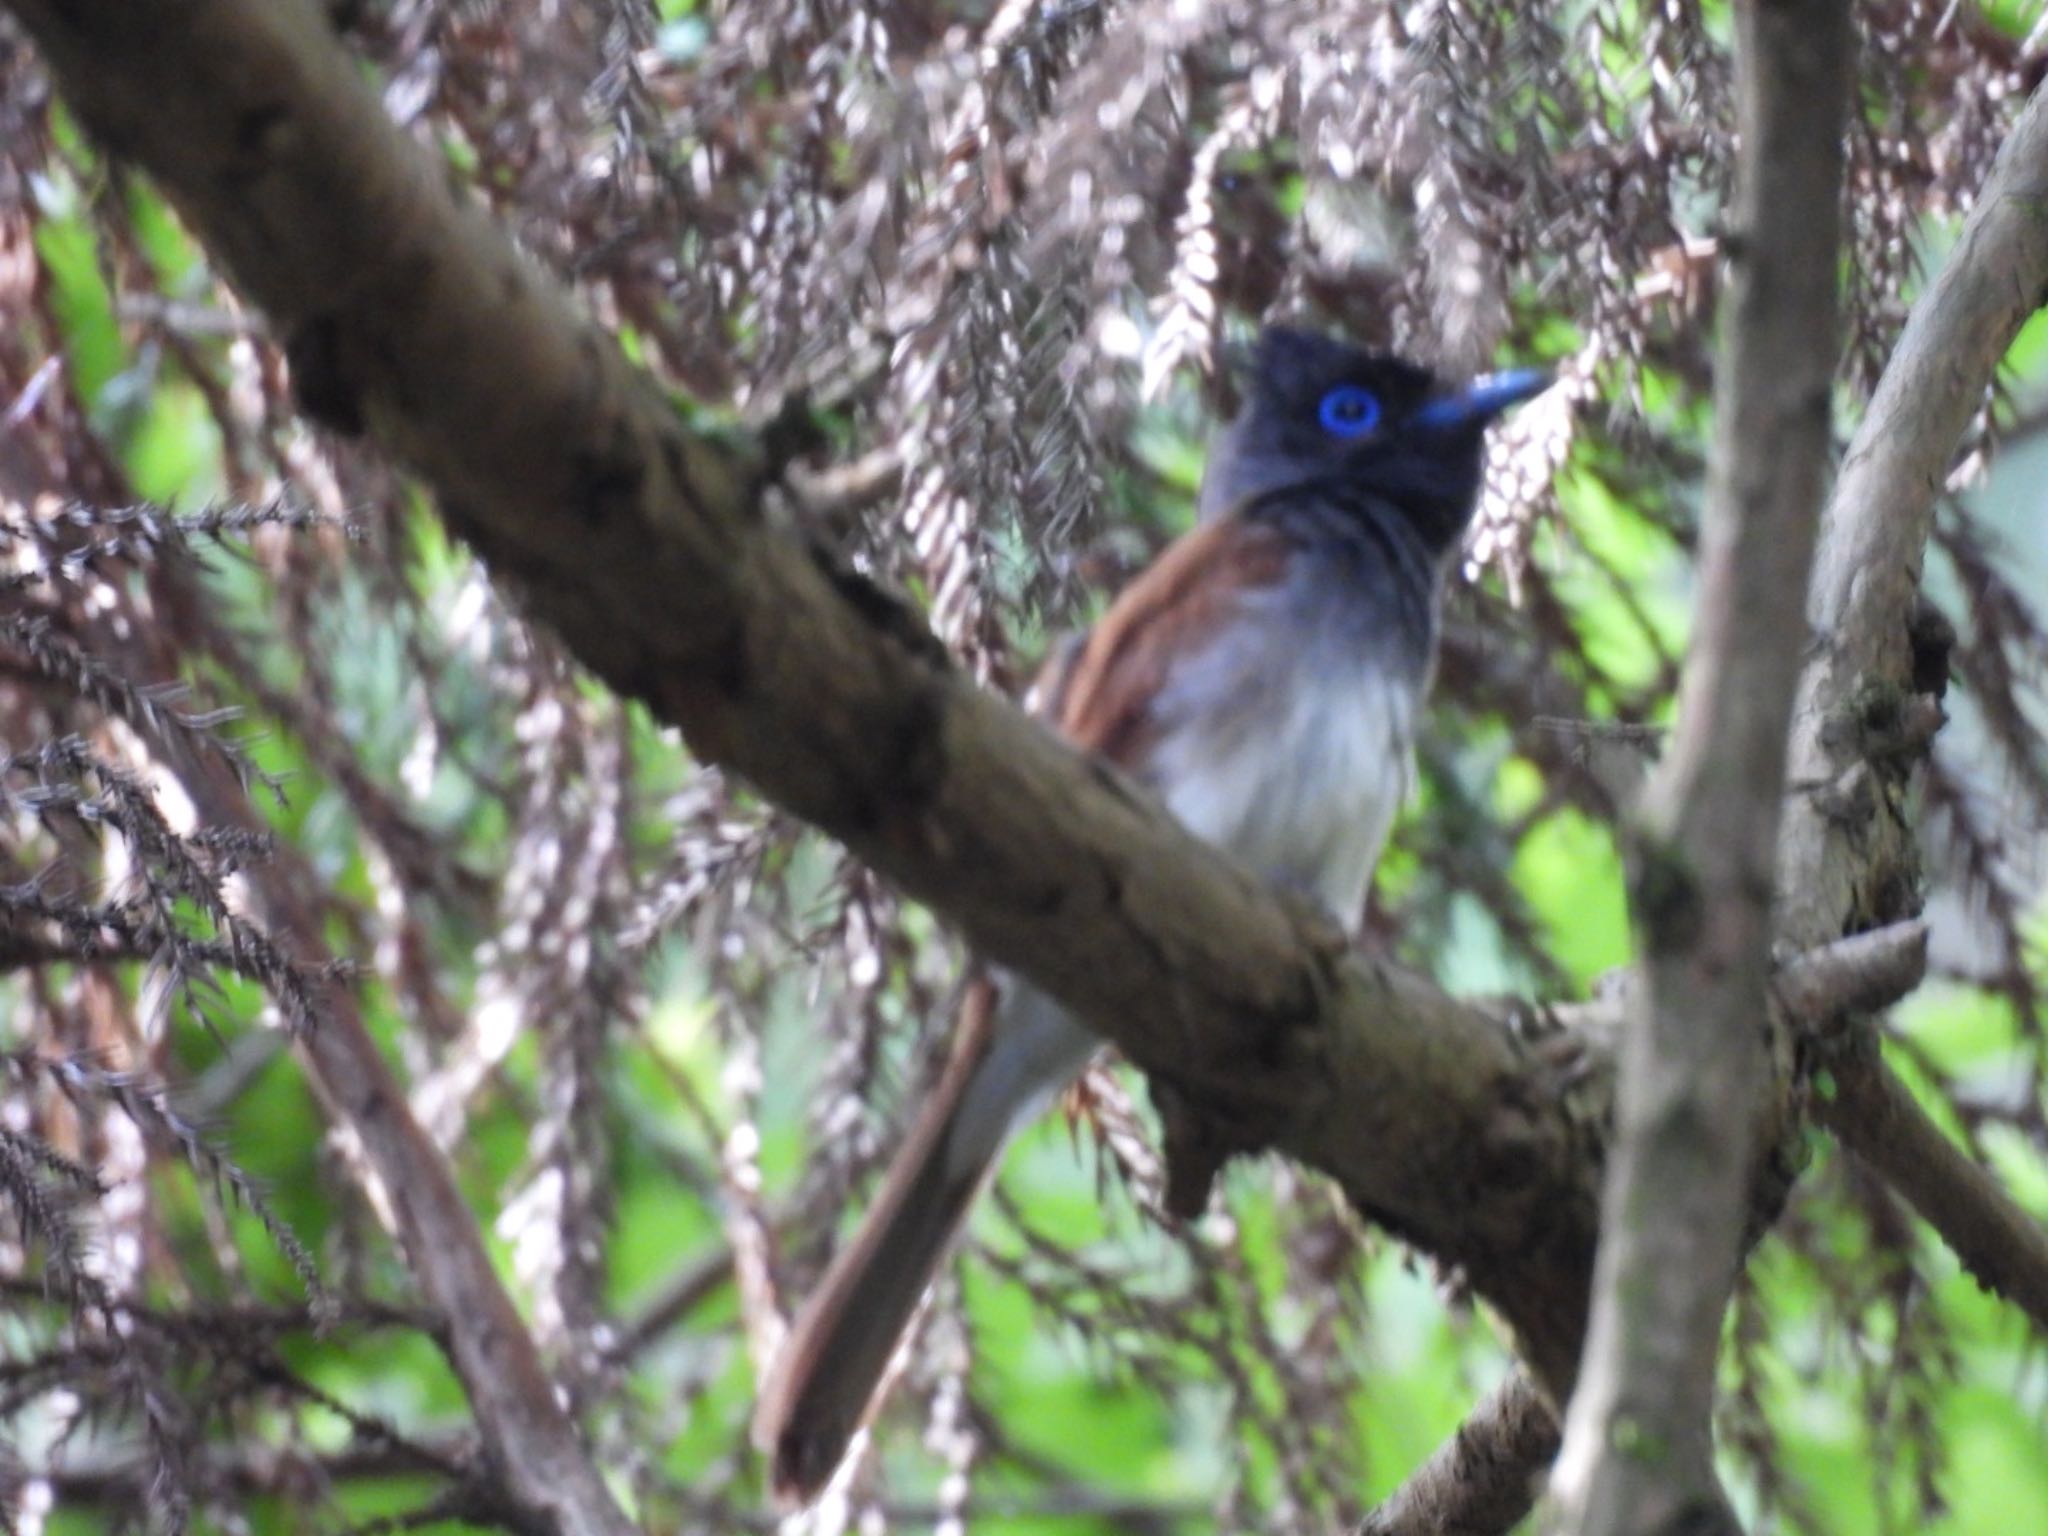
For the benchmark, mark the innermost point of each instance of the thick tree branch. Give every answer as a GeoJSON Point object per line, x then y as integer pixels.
{"type": "Point", "coordinates": [305, 1479]}
{"type": "Point", "coordinates": [252, 1471]}
{"type": "Point", "coordinates": [645, 542]}
{"type": "Point", "coordinates": [1698, 1080]}
{"type": "Point", "coordinates": [1854, 975]}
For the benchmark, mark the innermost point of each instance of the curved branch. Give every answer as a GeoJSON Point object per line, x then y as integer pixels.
{"type": "Point", "coordinates": [644, 540]}
{"type": "Point", "coordinates": [642, 536]}
{"type": "Point", "coordinates": [1842, 849]}
{"type": "Point", "coordinates": [1846, 854]}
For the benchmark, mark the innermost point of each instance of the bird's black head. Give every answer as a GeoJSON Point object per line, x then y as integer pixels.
{"type": "Point", "coordinates": [1319, 411]}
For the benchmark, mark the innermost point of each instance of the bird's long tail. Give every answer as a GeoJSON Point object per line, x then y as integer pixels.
{"type": "Point", "coordinates": [826, 1378]}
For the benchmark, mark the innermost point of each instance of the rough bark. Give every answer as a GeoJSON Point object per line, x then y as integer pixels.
{"type": "Point", "coordinates": [1845, 854]}
{"type": "Point", "coordinates": [645, 540]}
{"type": "Point", "coordinates": [1483, 1479]}
{"type": "Point", "coordinates": [1700, 1082]}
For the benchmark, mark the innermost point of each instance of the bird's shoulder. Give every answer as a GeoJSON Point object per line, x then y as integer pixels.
{"type": "Point", "coordinates": [1099, 691]}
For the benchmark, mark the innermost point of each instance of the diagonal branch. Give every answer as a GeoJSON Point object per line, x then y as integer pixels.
{"type": "Point", "coordinates": [1701, 1091]}
{"type": "Point", "coordinates": [535, 1475]}
{"type": "Point", "coordinates": [648, 546]}
{"type": "Point", "coordinates": [1876, 1116]}
{"type": "Point", "coordinates": [1846, 851]}
{"type": "Point", "coordinates": [1484, 1478]}
{"type": "Point", "coordinates": [647, 543]}
{"type": "Point", "coordinates": [1848, 856]}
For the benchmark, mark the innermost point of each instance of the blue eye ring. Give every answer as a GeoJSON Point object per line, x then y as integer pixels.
{"type": "Point", "coordinates": [1349, 410]}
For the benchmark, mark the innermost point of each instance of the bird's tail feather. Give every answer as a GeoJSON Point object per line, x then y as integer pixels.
{"type": "Point", "coordinates": [826, 1378]}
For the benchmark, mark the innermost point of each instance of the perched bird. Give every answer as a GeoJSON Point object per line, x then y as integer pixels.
{"type": "Point", "coordinates": [1262, 677]}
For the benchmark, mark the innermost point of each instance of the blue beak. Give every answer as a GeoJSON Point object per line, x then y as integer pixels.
{"type": "Point", "coordinates": [1483, 399]}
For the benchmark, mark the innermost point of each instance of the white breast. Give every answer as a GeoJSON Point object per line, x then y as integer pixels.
{"type": "Point", "coordinates": [1295, 763]}
{"type": "Point", "coordinates": [1294, 760]}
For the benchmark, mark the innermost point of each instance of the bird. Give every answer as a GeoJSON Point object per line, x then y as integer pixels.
{"type": "Point", "coordinates": [1262, 677]}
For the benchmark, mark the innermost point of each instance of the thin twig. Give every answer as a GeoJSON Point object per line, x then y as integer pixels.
{"type": "Point", "coordinates": [1874, 1114]}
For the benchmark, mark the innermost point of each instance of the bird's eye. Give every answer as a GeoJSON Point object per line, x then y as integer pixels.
{"type": "Point", "coordinates": [1349, 410]}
